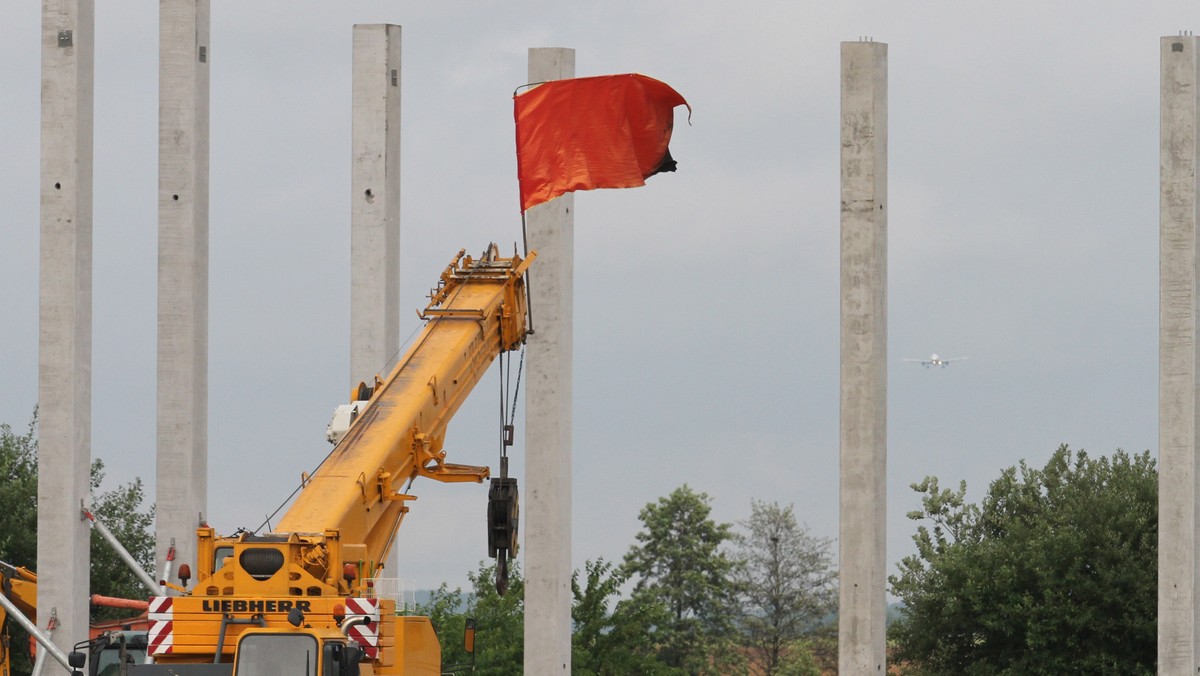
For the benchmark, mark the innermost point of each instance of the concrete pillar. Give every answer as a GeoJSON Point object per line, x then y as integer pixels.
{"type": "Point", "coordinates": [862, 543]}
{"type": "Point", "coordinates": [181, 494]}
{"type": "Point", "coordinates": [1178, 641]}
{"type": "Point", "coordinates": [547, 489]}
{"type": "Point", "coordinates": [375, 209]}
{"type": "Point", "coordinates": [375, 202]}
{"type": "Point", "coordinates": [65, 318]}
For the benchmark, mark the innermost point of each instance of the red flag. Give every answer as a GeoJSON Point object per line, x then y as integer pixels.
{"type": "Point", "coordinates": [585, 133]}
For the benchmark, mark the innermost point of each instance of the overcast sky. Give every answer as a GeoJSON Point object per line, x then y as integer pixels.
{"type": "Point", "coordinates": [1023, 233]}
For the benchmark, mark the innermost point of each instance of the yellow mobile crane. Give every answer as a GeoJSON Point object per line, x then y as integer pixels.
{"type": "Point", "coordinates": [299, 600]}
{"type": "Point", "coordinates": [18, 585]}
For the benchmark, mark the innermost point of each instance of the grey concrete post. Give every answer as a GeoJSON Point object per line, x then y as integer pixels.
{"type": "Point", "coordinates": [375, 208]}
{"type": "Point", "coordinates": [181, 487]}
{"type": "Point", "coordinates": [65, 316]}
{"type": "Point", "coordinates": [1177, 431]}
{"type": "Point", "coordinates": [548, 410]}
{"type": "Point", "coordinates": [863, 499]}
{"type": "Point", "coordinates": [375, 202]}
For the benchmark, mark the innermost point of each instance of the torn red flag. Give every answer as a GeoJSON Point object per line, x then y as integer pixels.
{"type": "Point", "coordinates": [609, 131]}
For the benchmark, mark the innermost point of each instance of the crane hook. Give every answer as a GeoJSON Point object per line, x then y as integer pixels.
{"type": "Point", "coordinates": [503, 516]}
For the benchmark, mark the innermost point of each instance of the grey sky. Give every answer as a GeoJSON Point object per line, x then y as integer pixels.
{"type": "Point", "coordinates": [1022, 232]}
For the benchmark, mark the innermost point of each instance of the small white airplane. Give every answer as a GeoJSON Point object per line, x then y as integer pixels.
{"type": "Point", "coordinates": [935, 360]}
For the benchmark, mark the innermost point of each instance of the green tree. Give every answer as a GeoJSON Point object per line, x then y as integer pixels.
{"type": "Point", "coordinates": [1053, 573]}
{"type": "Point", "coordinates": [617, 640]}
{"type": "Point", "coordinates": [120, 509]}
{"type": "Point", "coordinates": [18, 495]}
{"type": "Point", "coordinates": [787, 583]}
{"type": "Point", "coordinates": [799, 659]}
{"type": "Point", "coordinates": [499, 622]}
{"type": "Point", "coordinates": [678, 561]}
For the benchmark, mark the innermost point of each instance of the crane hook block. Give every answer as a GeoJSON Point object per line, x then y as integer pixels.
{"type": "Point", "coordinates": [503, 515]}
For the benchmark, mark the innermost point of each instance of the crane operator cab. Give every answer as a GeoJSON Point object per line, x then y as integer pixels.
{"type": "Point", "coordinates": [296, 652]}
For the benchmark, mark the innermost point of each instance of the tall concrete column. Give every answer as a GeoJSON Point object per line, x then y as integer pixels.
{"type": "Point", "coordinates": [547, 489]}
{"type": "Point", "coordinates": [375, 201]}
{"type": "Point", "coordinates": [862, 543]}
{"type": "Point", "coordinates": [65, 317]}
{"type": "Point", "coordinates": [181, 494]}
{"type": "Point", "coordinates": [1178, 640]}
{"type": "Point", "coordinates": [375, 208]}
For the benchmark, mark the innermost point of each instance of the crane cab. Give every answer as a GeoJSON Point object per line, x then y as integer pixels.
{"type": "Point", "coordinates": [297, 652]}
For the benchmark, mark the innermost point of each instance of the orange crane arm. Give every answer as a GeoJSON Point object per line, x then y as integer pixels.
{"type": "Point", "coordinates": [477, 312]}
{"type": "Point", "coordinates": [320, 559]}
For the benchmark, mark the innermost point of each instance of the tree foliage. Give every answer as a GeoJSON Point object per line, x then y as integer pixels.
{"type": "Point", "coordinates": [613, 636]}
{"type": "Point", "coordinates": [604, 642]}
{"type": "Point", "coordinates": [120, 509]}
{"type": "Point", "coordinates": [1053, 573]}
{"type": "Point", "coordinates": [690, 607]}
{"type": "Point", "coordinates": [787, 583]}
{"type": "Point", "coordinates": [799, 658]}
{"type": "Point", "coordinates": [499, 622]}
{"type": "Point", "coordinates": [18, 495]}
{"type": "Point", "coordinates": [679, 561]}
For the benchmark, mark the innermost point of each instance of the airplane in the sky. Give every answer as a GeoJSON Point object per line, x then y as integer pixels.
{"type": "Point", "coordinates": [935, 360]}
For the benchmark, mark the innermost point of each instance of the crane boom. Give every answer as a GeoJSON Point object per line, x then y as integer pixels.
{"type": "Point", "coordinates": [343, 521]}
{"type": "Point", "coordinates": [477, 312]}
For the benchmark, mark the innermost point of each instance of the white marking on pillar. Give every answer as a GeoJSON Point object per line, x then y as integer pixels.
{"type": "Point", "coordinates": [1178, 642]}
{"type": "Point", "coordinates": [547, 528]}
{"type": "Point", "coordinates": [375, 208]}
{"type": "Point", "coordinates": [862, 603]}
{"type": "Point", "coordinates": [65, 316]}
{"type": "Point", "coordinates": [181, 487]}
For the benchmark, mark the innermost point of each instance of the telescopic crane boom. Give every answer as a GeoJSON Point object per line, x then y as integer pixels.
{"type": "Point", "coordinates": [477, 312]}
{"type": "Point", "coordinates": [318, 561]}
